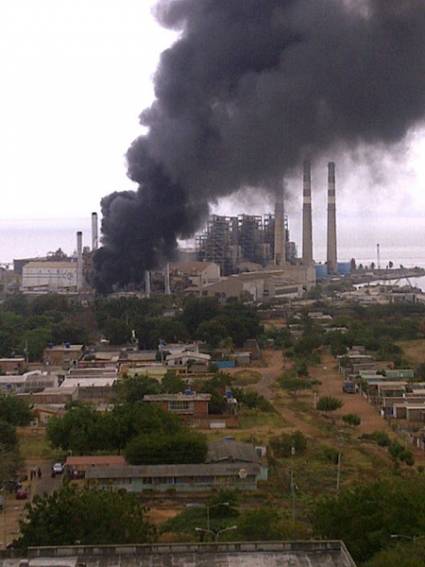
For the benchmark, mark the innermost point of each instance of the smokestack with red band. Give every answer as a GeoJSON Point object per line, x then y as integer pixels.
{"type": "Point", "coordinates": [279, 232]}
{"type": "Point", "coordinates": [332, 250]}
{"type": "Point", "coordinates": [94, 232]}
{"type": "Point", "coordinates": [147, 283]}
{"type": "Point", "coordinates": [307, 222]}
{"type": "Point", "coordinates": [167, 288]}
{"type": "Point", "coordinates": [79, 260]}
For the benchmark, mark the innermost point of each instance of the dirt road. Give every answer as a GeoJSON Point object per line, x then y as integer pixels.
{"type": "Point", "coordinates": [331, 385]}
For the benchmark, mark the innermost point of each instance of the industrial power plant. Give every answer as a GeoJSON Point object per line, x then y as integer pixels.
{"type": "Point", "coordinates": [245, 242]}
{"type": "Point", "coordinates": [235, 256]}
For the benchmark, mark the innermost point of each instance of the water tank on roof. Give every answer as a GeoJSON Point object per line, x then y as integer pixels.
{"type": "Point", "coordinates": [321, 271]}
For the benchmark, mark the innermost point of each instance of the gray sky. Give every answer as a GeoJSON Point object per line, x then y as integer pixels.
{"type": "Point", "coordinates": [75, 76]}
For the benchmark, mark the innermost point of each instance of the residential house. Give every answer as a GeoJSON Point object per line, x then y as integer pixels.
{"type": "Point", "coordinates": [186, 405]}
{"type": "Point", "coordinates": [12, 365]}
{"type": "Point", "coordinates": [181, 478]}
{"type": "Point", "coordinates": [64, 355]}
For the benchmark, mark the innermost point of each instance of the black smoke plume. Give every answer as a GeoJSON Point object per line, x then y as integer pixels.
{"type": "Point", "coordinates": [248, 90]}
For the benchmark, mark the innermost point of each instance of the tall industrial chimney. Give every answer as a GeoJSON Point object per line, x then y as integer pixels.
{"type": "Point", "coordinates": [332, 251]}
{"type": "Point", "coordinates": [147, 283]}
{"type": "Point", "coordinates": [307, 222]}
{"type": "Point", "coordinates": [94, 232]}
{"type": "Point", "coordinates": [79, 260]}
{"type": "Point", "coordinates": [279, 232]}
{"type": "Point", "coordinates": [167, 288]}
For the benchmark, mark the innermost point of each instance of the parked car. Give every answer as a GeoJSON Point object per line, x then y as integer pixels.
{"type": "Point", "coordinates": [11, 486]}
{"type": "Point", "coordinates": [21, 494]}
{"type": "Point", "coordinates": [57, 468]}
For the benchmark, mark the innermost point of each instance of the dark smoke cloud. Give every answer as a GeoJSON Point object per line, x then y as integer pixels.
{"type": "Point", "coordinates": [249, 90]}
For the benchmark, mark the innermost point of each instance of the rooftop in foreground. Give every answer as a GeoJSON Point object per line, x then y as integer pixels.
{"type": "Point", "coordinates": [252, 554]}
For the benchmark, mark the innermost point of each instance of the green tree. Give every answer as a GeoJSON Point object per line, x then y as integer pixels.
{"type": "Point", "coordinates": [134, 389]}
{"type": "Point", "coordinates": [88, 517]}
{"type": "Point", "coordinates": [176, 448]}
{"type": "Point", "coordinates": [260, 524]}
{"type": "Point", "coordinates": [197, 310]}
{"type": "Point", "coordinates": [212, 332]}
{"type": "Point", "coordinates": [283, 444]}
{"type": "Point", "coordinates": [8, 438]}
{"type": "Point", "coordinates": [117, 331]}
{"type": "Point", "coordinates": [172, 384]}
{"type": "Point", "coordinates": [404, 554]}
{"type": "Point", "coordinates": [14, 410]}
{"type": "Point", "coordinates": [366, 515]}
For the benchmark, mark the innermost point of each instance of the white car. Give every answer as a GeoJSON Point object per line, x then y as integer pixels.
{"type": "Point", "coordinates": [57, 468]}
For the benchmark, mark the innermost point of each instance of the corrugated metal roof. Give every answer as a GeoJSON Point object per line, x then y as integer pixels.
{"type": "Point", "coordinates": [172, 470]}
{"type": "Point", "coordinates": [96, 460]}
{"type": "Point", "coordinates": [231, 451]}
{"type": "Point", "coordinates": [177, 397]}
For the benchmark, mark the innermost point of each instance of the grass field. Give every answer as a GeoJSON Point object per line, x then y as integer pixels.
{"type": "Point", "coordinates": [414, 351]}
{"type": "Point", "coordinates": [34, 445]}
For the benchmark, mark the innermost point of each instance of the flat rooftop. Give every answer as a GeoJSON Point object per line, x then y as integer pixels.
{"type": "Point", "coordinates": [272, 554]}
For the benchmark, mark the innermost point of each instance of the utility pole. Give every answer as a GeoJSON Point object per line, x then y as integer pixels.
{"type": "Point", "coordinates": [378, 256]}
{"type": "Point", "coordinates": [338, 472]}
{"type": "Point", "coordinates": [292, 485]}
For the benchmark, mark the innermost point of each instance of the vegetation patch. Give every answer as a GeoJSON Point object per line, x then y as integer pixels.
{"type": "Point", "coordinates": [328, 403]}
{"type": "Point", "coordinates": [352, 419]}
{"type": "Point", "coordinates": [246, 378]}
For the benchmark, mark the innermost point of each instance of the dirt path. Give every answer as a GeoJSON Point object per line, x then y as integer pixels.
{"type": "Point", "coordinates": [331, 385]}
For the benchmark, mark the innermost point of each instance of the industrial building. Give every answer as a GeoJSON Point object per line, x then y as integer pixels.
{"type": "Point", "coordinates": [231, 241]}
{"type": "Point", "coordinates": [250, 243]}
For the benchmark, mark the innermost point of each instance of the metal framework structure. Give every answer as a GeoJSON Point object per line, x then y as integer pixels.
{"type": "Point", "coordinates": [229, 240]}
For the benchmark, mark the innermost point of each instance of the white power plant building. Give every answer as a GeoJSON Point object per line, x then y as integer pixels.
{"type": "Point", "coordinates": [59, 277]}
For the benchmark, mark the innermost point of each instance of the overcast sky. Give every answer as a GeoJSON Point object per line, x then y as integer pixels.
{"type": "Point", "coordinates": [76, 74]}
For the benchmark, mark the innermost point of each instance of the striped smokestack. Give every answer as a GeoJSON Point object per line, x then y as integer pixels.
{"type": "Point", "coordinates": [332, 251]}
{"type": "Point", "coordinates": [79, 260]}
{"type": "Point", "coordinates": [147, 283]}
{"type": "Point", "coordinates": [307, 222]}
{"type": "Point", "coordinates": [167, 287]}
{"type": "Point", "coordinates": [279, 232]}
{"type": "Point", "coordinates": [94, 232]}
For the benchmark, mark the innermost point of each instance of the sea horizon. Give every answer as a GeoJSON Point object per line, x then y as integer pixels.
{"type": "Point", "coordinates": [32, 238]}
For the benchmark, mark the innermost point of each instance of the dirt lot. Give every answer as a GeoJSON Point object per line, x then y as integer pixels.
{"type": "Point", "coordinates": [331, 385]}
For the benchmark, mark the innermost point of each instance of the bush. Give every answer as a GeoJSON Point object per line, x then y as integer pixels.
{"type": "Point", "coordinates": [294, 384]}
{"type": "Point", "coordinates": [260, 524]}
{"type": "Point", "coordinates": [400, 453]}
{"type": "Point", "coordinates": [351, 419]}
{"type": "Point", "coordinates": [252, 400]}
{"type": "Point", "coordinates": [380, 437]}
{"type": "Point", "coordinates": [330, 455]}
{"type": "Point", "coordinates": [327, 403]}
{"type": "Point", "coordinates": [283, 444]}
